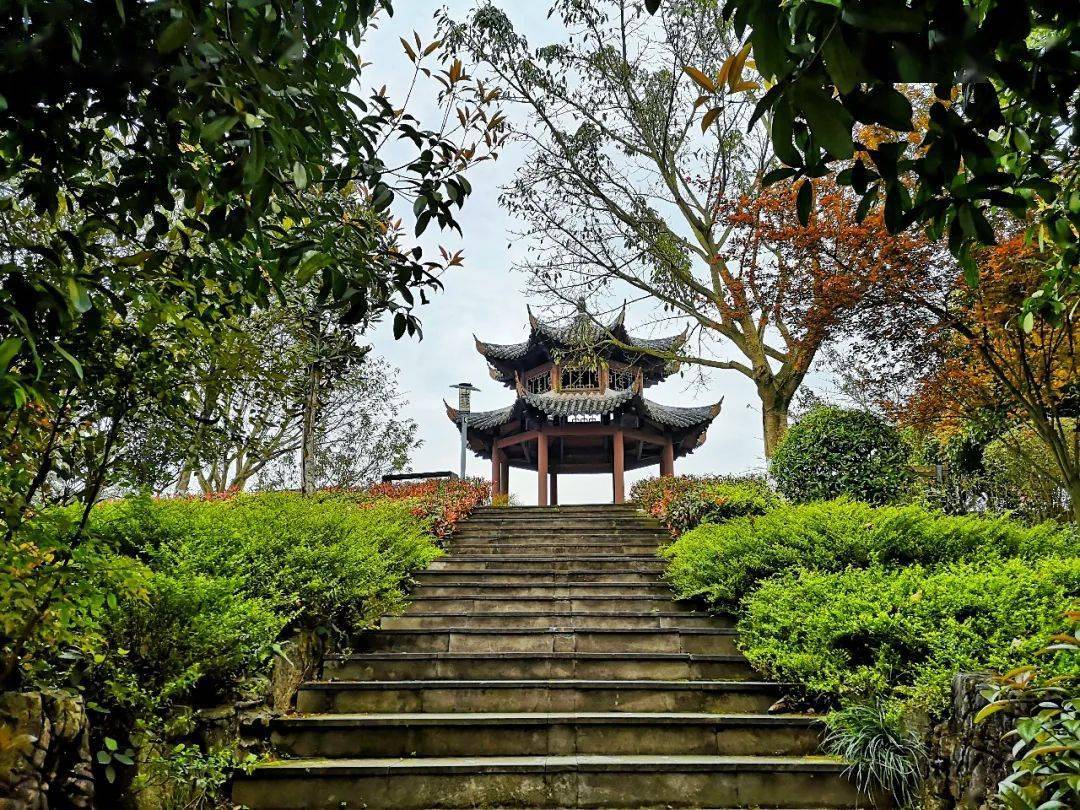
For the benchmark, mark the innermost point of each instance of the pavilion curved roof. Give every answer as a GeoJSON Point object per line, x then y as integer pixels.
{"type": "Point", "coordinates": [582, 331]}
{"type": "Point", "coordinates": [554, 404]}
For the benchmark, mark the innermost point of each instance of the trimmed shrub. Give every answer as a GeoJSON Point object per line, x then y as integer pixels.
{"type": "Point", "coordinates": [326, 561]}
{"type": "Point", "coordinates": [724, 562]}
{"type": "Point", "coordinates": [902, 634]}
{"type": "Point", "coordinates": [684, 501]}
{"type": "Point", "coordinates": [833, 452]}
{"type": "Point", "coordinates": [191, 633]}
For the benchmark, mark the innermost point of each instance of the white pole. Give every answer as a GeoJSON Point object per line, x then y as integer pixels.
{"type": "Point", "coordinates": [464, 441]}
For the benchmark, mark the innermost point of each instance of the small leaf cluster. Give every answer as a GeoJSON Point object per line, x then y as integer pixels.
{"type": "Point", "coordinates": [1046, 749]}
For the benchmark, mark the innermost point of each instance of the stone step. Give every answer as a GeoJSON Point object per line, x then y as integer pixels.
{"type": "Point", "coordinates": [470, 588]}
{"type": "Point", "coordinates": [691, 640]}
{"type": "Point", "coordinates": [537, 665]}
{"type": "Point", "coordinates": [569, 508]}
{"type": "Point", "coordinates": [501, 549]}
{"type": "Point", "coordinates": [544, 524]}
{"type": "Point", "coordinates": [548, 564]}
{"type": "Point", "coordinates": [476, 734]}
{"type": "Point", "coordinates": [508, 576]}
{"type": "Point", "coordinates": [578, 621]}
{"type": "Point", "coordinates": [641, 781]}
{"type": "Point", "coordinates": [544, 695]}
{"type": "Point", "coordinates": [543, 604]}
{"type": "Point", "coordinates": [520, 535]}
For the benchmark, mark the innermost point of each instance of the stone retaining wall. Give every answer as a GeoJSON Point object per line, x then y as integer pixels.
{"type": "Point", "coordinates": [44, 752]}
{"type": "Point", "coordinates": [967, 760]}
{"type": "Point", "coordinates": [45, 756]}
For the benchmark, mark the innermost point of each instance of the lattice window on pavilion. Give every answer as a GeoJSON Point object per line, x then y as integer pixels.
{"type": "Point", "coordinates": [538, 383]}
{"type": "Point", "coordinates": [620, 380]}
{"type": "Point", "coordinates": [581, 378]}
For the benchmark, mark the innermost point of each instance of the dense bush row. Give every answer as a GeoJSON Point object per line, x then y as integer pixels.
{"type": "Point", "coordinates": [871, 609]}
{"type": "Point", "coordinates": [903, 633]}
{"type": "Point", "coordinates": [724, 562]}
{"type": "Point", "coordinates": [182, 601]}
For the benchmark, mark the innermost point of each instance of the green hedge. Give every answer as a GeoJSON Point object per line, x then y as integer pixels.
{"type": "Point", "coordinates": [724, 562]}
{"type": "Point", "coordinates": [903, 633]}
{"type": "Point", "coordinates": [833, 452]}
{"type": "Point", "coordinates": [188, 633]}
{"type": "Point", "coordinates": [315, 562]}
{"type": "Point", "coordinates": [682, 502]}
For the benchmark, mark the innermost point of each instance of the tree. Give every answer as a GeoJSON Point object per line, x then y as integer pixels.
{"type": "Point", "coordinates": [634, 182]}
{"type": "Point", "coordinates": [167, 128]}
{"type": "Point", "coordinates": [359, 436]}
{"type": "Point", "coordinates": [166, 169]}
{"type": "Point", "coordinates": [965, 356]}
{"type": "Point", "coordinates": [1002, 135]}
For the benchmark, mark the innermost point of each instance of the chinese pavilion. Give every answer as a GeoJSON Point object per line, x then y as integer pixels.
{"type": "Point", "coordinates": [580, 405]}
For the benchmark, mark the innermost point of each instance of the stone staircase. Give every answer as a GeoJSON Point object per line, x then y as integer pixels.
{"type": "Point", "coordinates": [543, 663]}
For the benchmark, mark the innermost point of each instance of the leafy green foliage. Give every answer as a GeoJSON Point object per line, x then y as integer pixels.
{"type": "Point", "coordinates": [885, 754]}
{"type": "Point", "coordinates": [185, 777]}
{"type": "Point", "coordinates": [314, 562]}
{"type": "Point", "coordinates": [165, 145]}
{"type": "Point", "coordinates": [724, 562]}
{"type": "Point", "coordinates": [191, 632]}
{"type": "Point", "coordinates": [1000, 138]}
{"type": "Point", "coordinates": [1046, 761]}
{"type": "Point", "coordinates": [832, 452]}
{"type": "Point", "coordinates": [682, 502]}
{"type": "Point", "coordinates": [903, 633]}
{"type": "Point", "coordinates": [83, 587]}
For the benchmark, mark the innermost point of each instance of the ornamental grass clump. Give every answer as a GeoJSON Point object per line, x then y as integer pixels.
{"type": "Point", "coordinates": [886, 755]}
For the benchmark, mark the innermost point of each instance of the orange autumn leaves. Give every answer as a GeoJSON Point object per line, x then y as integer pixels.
{"type": "Point", "coordinates": [990, 361]}
{"type": "Point", "coordinates": [807, 280]}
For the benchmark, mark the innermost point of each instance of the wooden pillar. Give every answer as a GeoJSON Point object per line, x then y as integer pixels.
{"type": "Point", "coordinates": [504, 476]}
{"type": "Point", "coordinates": [667, 459]}
{"type": "Point", "coordinates": [541, 470]}
{"type": "Point", "coordinates": [618, 465]}
{"type": "Point", "coordinates": [553, 488]}
{"type": "Point", "coordinates": [496, 471]}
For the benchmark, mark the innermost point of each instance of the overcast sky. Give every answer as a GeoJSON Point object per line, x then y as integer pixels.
{"type": "Point", "coordinates": [487, 297]}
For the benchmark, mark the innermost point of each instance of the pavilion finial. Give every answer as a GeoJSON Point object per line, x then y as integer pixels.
{"type": "Point", "coordinates": [621, 319]}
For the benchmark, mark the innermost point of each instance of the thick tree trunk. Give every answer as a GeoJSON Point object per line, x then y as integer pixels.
{"type": "Point", "coordinates": [774, 422]}
{"type": "Point", "coordinates": [183, 484]}
{"type": "Point", "coordinates": [1074, 496]}
{"type": "Point", "coordinates": [307, 443]}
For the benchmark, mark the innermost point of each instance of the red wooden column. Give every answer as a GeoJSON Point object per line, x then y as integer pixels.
{"type": "Point", "coordinates": [504, 476]}
{"type": "Point", "coordinates": [618, 465]}
{"type": "Point", "coordinates": [541, 470]}
{"type": "Point", "coordinates": [553, 488]}
{"type": "Point", "coordinates": [496, 471]}
{"type": "Point", "coordinates": [667, 459]}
